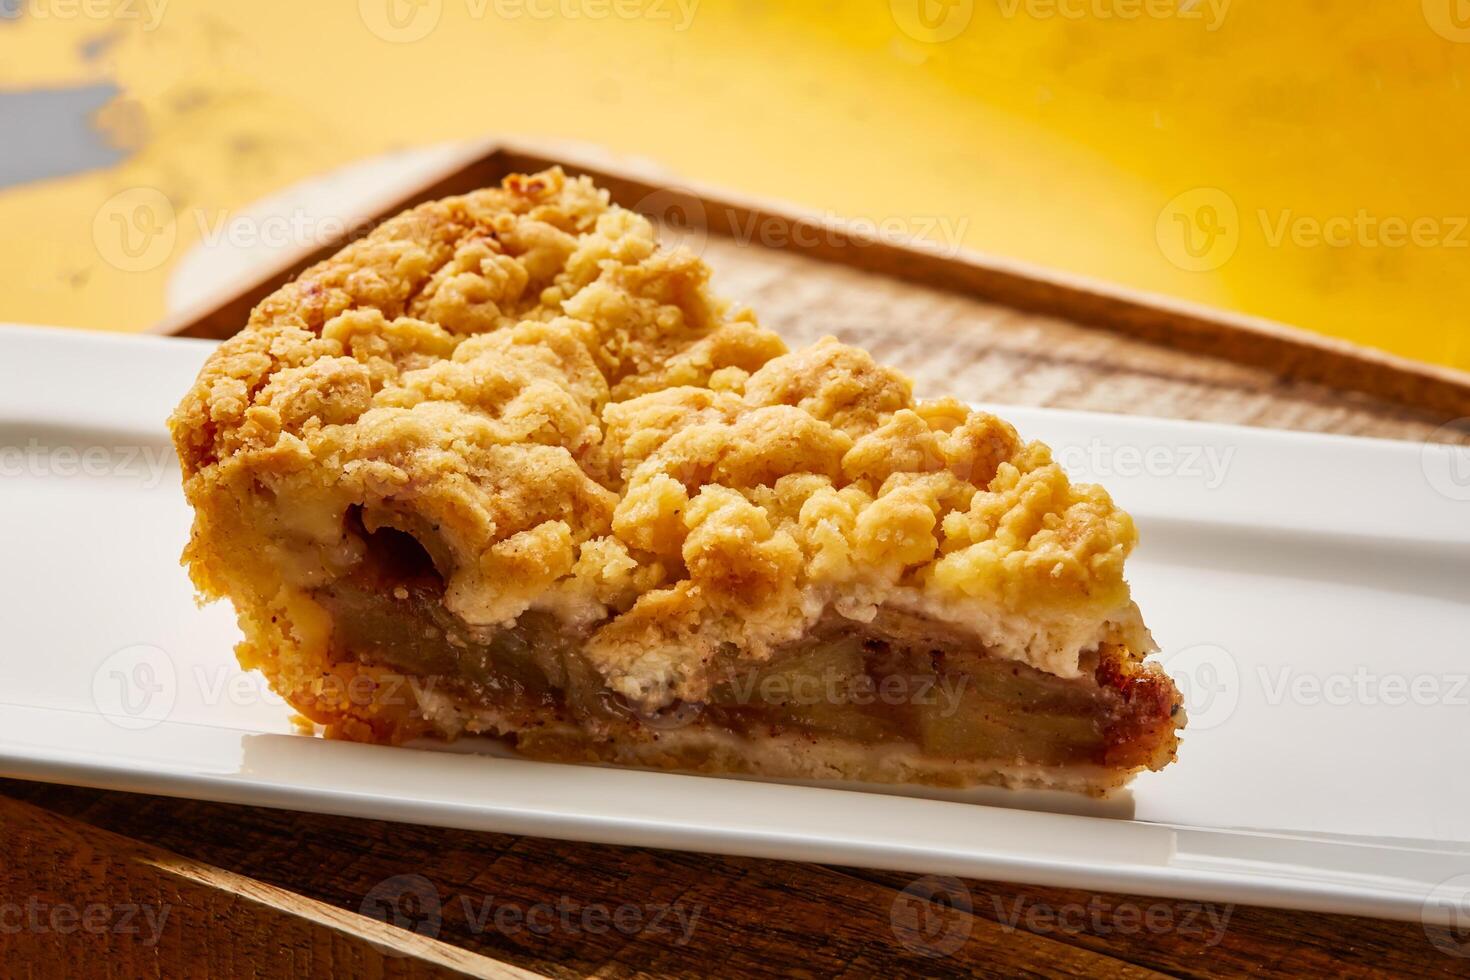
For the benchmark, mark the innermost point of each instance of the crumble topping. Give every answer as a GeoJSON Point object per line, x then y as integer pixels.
{"type": "Point", "coordinates": [570, 420]}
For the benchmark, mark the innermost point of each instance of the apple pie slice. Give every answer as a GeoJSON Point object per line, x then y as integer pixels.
{"type": "Point", "coordinates": [505, 467]}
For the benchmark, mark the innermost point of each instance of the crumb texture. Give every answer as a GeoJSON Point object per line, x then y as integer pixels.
{"type": "Point", "coordinates": [567, 418]}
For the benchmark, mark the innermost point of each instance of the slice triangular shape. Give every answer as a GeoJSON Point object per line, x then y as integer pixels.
{"type": "Point", "coordinates": [504, 466]}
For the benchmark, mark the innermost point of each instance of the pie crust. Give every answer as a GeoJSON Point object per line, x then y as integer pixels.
{"type": "Point", "coordinates": [505, 466]}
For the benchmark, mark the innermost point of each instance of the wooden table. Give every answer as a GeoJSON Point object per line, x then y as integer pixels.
{"type": "Point", "coordinates": [240, 890]}
{"type": "Point", "coordinates": [250, 891]}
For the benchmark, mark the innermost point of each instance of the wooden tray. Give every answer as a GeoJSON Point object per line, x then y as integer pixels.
{"type": "Point", "coordinates": [1021, 317]}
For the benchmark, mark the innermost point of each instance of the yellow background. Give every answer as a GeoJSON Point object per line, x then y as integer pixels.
{"type": "Point", "coordinates": [1088, 135]}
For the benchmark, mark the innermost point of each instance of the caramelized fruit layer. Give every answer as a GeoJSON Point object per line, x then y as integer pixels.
{"type": "Point", "coordinates": [900, 681]}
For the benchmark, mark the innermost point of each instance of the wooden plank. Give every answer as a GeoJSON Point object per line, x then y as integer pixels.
{"type": "Point", "coordinates": [743, 917]}
{"type": "Point", "coordinates": [1288, 353]}
{"type": "Point", "coordinates": [79, 901]}
{"type": "Point", "coordinates": [749, 917]}
{"type": "Point", "coordinates": [1210, 939]}
{"type": "Point", "coordinates": [952, 344]}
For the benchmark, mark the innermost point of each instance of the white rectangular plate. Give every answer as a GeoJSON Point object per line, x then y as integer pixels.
{"type": "Point", "coordinates": [1312, 595]}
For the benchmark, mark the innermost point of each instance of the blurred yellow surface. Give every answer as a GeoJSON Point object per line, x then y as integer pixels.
{"type": "Point", "coordinates": [1302, 161]}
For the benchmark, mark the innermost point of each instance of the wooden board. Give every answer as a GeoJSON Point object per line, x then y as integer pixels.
{"type": "Point", "coordinates": [285, 892]}
{"type": "Point", "coordinates": [77, 900]}
{"type": "Point", "coordinates": [750, 918]}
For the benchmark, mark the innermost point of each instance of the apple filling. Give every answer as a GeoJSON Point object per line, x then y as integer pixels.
{"type": "Point", "coordinates": [901, 683]}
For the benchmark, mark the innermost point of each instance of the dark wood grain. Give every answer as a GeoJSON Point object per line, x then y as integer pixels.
{"type": "Point", "coordinates": [745, 917]}
{"type": "Point", "coordinates": [78, 900]}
